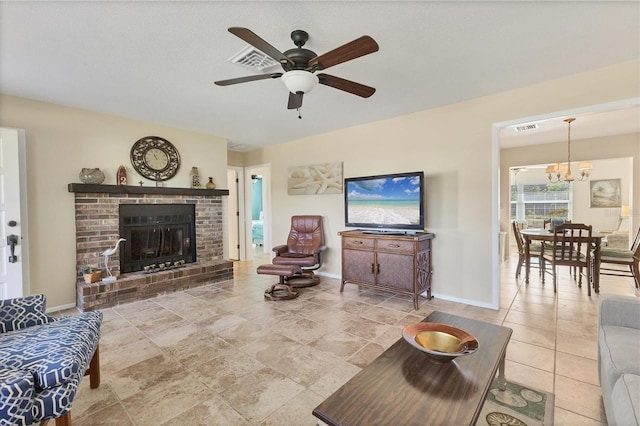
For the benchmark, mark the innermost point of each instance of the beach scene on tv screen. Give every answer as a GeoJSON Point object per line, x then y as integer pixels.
{"type": "Point", "coordinates": [391, 201]}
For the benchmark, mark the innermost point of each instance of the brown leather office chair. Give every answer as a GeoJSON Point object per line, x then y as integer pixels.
{"type": "Point", "coordinates": [621, 257]}
{"type": "Point", "coordinates": [304, 248]}
{"type": "Point", "coordinates": [571, 246]}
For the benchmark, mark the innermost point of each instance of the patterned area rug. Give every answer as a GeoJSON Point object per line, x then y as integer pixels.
{"type": "Point", "coordinates": [517, 405]}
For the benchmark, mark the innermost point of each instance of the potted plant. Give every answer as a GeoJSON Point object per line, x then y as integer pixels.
{"type": "Point", "coordinates": [90, 276]}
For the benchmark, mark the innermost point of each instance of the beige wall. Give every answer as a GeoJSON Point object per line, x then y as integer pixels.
{"type": "Point", "coordinates": [59, 142]}
{"type": "Point", "coordinates": [454, 147]}
{"type": "Point", "coordinates": [235, 158]}
{"type": "Point", "coordinates": [452, 144]}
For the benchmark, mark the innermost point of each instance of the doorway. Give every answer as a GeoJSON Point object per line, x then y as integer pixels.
{"type": "Point", "coordinates": [249, 212]}
{"type": "Point", "coordinates": [257, 214]}
{"type": "Point", "coordinates": [14, 241]}
{"type": "Point", "coordinates": [257, 211]}
{"type": "Point", "coordinates": [502, 161]}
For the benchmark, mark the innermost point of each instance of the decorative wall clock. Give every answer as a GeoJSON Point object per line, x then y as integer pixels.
{"type": "Point", "coordinates": [155, 158]}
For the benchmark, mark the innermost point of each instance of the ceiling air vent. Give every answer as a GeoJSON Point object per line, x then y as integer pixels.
{"type": "Point", "coordinates": [524, 127]}
{"type": "Point", "coordinates": [252, 58]}
{"type": "Point", "coordinates": [235, 146]}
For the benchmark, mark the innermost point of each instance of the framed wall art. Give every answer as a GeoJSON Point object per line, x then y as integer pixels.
{"type": "Point", "coordinates": [323, 178]}
{"type": "Point", "coordinates": [605, 193]}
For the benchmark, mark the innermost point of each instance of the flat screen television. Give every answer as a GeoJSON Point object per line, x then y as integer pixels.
{"type": "Point", "coordinates": [391, 202]}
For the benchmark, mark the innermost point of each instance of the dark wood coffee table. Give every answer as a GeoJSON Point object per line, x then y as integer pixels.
{"type": "Point", "coordinates": [404, 387]}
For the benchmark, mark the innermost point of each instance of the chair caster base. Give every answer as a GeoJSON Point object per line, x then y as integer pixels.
{"type": "Point", "coordinates": [306, 279]}
{"type": "Point", "coordinates": [280, 292]}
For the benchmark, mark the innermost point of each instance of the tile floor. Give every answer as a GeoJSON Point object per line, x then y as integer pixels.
{"type": "Point", "coordinates": [222, 355]}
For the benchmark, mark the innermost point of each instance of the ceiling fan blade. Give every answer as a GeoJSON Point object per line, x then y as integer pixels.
{"type": "Point", "coordinates": [354, 49]}
{"type": "Point", "coordinates": [346, 85]}
{"type": "Point", "coordinates": [257, 42]}
{"type": "Point", "coordinates": [295, 100]}
{"type": "Point", "coordinates": [247, 79]}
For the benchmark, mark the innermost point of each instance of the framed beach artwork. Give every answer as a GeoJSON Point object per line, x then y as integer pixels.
{"type": "Point", "coordinates": [605, 193]}
{"type": "Point", "coordinates": [325, 178]}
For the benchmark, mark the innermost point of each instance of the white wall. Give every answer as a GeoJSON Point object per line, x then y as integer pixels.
{"type": "Point", "coordinates": [599, 218]}
{"type": "Point", "coordinates": [614, 157]}
{"type": "Point", "coordinates": [603, 218]}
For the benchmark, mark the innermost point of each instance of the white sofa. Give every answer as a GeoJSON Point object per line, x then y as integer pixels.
{"type": "Point", "coordinates": [618, 240]}
{"type": "Point", "coordinates": [619, 358]}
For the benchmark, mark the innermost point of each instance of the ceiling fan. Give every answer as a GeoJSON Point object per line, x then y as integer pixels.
{"type": "Point", "coordinates": [300, 65]}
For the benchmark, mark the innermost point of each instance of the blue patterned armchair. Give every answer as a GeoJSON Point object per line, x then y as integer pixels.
{"type": "Point", "coordinates": [43, 360]}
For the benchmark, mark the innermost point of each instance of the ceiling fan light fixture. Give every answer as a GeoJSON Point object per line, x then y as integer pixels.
{"type": "Point", "coordinates": [298, 81]}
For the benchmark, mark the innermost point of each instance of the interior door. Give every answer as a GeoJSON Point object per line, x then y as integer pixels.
{"type": "Point", "coordinates": [233, 214]}
{"type": "Point", "coordinates": [13, 261]}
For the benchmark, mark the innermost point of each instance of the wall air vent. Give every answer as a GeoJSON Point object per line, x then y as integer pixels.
{"type": "Point", "coordinates": [255, 60]}
{"type": "Point", "coordinates": [525, 127]}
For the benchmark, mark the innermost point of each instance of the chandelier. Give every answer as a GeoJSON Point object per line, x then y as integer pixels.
{"type": "Point", "coordinates": [561, 172]}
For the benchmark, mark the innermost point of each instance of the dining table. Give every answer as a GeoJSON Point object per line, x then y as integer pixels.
{"type": "Point", "coordinates": [535, 234]}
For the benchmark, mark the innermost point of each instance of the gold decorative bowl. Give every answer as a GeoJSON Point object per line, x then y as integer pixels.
{"type": "Point", "coordinates": [441, 342]}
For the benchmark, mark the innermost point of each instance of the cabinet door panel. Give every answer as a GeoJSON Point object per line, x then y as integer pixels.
{"type": "Point", "coordinates": [396, 271]}
{"type": "Point", "coordinates": [423, 270]}
{"type": "Point", "coordinates": [357, 266]}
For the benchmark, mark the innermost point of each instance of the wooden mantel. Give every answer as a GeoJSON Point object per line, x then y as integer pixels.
{"type": "Point", "coordinates": [127, 189]}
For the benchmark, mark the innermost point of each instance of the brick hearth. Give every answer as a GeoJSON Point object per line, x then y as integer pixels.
{"type": "Point", "coordinates": [96, 209]}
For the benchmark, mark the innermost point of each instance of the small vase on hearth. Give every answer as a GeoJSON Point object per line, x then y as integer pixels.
{"type": "Point", "coordinates": [211, 184]}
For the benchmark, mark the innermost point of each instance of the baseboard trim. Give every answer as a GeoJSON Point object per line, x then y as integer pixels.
{"type": "Point", "coordinates": [328, 275]}
{"type": "Point", "coordinates": [61, 308]}
{"type": "Point", "coordinates": [465, 301]}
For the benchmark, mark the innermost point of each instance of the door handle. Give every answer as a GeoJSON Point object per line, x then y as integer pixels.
{"type": "Point", "coordinates": [12, 241]}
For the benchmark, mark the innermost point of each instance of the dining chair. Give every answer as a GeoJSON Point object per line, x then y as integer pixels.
{"type": "Point", "coordinates": [571, 246]}
{"type": "Point", "coordinates": [547, 224]}
{"type": "Point", "coordinates": [535, 250]}
{"type": "Point", "coordinates": [621, 257]}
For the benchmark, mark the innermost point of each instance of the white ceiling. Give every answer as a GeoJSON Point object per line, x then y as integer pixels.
{"type": "Point", "coordinates": [156, 61]}
{"type": "Point", "coordinates": [589, 124]}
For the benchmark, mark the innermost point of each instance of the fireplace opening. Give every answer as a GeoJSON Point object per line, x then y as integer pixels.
{"type": "Point", "coordinates": [156, 234]}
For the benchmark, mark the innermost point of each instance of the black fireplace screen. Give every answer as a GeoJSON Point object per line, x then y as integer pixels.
{"type": "Point", "coordinates": [156, 234]}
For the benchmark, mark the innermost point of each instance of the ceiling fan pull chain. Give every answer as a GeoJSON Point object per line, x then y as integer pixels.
{"type": "Point", "coordinates": [299, 116]}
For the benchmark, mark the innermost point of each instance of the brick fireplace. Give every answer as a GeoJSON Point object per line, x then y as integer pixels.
{"type": "Point", "coordinates": [97, 228]}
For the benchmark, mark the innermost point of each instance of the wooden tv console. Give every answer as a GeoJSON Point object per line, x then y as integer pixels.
{"type": "Point", "coordinates": [395, 262]}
